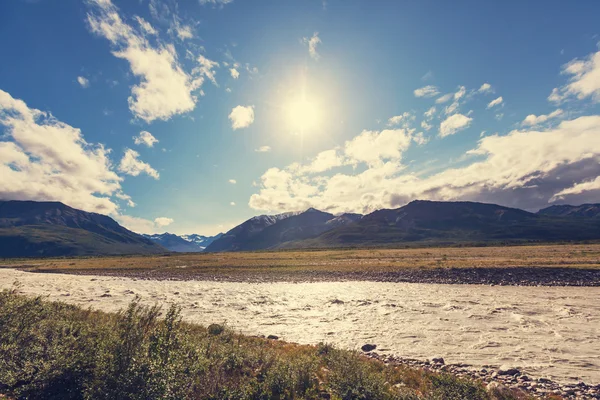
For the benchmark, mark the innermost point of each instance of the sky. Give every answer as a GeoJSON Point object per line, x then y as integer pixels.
{"type": "Point", "coordinates": [193, 116]}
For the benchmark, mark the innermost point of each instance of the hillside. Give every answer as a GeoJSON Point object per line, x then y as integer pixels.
{"type": "Point", "coordinates": [583, 211]}
{"type": "Point", "coordinates": [34, 229]}
{"type": "Point", "coordinates": [431, 222]}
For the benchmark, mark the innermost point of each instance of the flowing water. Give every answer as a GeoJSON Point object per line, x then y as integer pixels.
{"type": "Point", "coordinates": [550, 332]}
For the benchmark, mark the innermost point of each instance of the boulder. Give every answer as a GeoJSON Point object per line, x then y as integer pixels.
{"type": "Point", "coordinates": [368, 347]}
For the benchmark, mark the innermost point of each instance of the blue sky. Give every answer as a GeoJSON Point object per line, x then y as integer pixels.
{"type": "Point", "coordinates": [192, 116]}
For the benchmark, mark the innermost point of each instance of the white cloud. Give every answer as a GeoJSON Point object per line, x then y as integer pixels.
{"type": "Point", "coordinates": [142, 225]}
{"type": "Point", "coordinates": [131, 165]}
{"type": "Point", "coordinates": [420, 139]}
{"type": "Point", "coordinates": [232, 203]}
{"type": "Point", "coordinates": [165, 89]}
{"type": "Point", "coordinates": [444, 99]}
{"type": "Point", "coordinates": [216, 2]}
{"type": "Point", "coordinates": [578, 188]}
{"type": "Point", "coordinates": [184, 32]}
{"type": "Point", "coordinates": [485, 88]}
{"type": "Point", "coordinates": [521, 169]}
{"type": "Point", "coordinates": [453, 124]}
{"type": "Point", "coordinates": [495, 102]}
{"type": "Point", "coordinates": [584, 79]}
{"type": "Point", "coordinates": [402, 118]}
{"type": "Point", "coordinates": [42, 158]}
{"type": "Point", "coordinates": [145, 138]}
{"type": "Point", "coordinates": [241, 117]}
{"type": "Point", "coordinates": [426, 91]}
{"type": "Point", "coordinates": [234, 73]}
{"type": "Point", "coordinates": [163, 221]}
{"type": "Point", "coordinates": [460, 93]}
{"type": "Point", "coordinates": [429, 113]}
{"type": "Point", "coordinates": [531, 119]}
{"type": "Point", "coordinates": [145, 26]}
{"type": "Point", "coordinates": [324, 161]}
{"type": "Point", "coordinates": [373, 148]}
{"type": "Point", "coordinates": [84, 82]}
{"type": "Point", "coordinates": [206, 68]}
{"type": "Point", "coordinates": [312, 43]}
{"type": "Point", "coordinates": [263, 149]}
{"type": "Point", "coordinates": [232, 181]}
{"type": "Point", "coordinates": [425, 125]}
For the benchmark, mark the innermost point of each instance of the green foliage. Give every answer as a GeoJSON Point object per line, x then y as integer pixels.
{"type": "Point", "coordinates": [56, 351]}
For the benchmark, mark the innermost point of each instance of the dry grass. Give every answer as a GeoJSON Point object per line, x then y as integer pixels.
{"type": "Point", "coordinates": [288, 263]}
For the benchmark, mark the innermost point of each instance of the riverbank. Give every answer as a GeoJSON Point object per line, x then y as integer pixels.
{"type": "Point", "coordinates": [545, 265]}
{"type": "Point", "coordinates": [546, 332]}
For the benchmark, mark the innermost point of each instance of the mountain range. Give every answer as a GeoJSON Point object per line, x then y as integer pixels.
{"type": "Point", "coordinates": [417, 223]}
{"type": "Point", "coordinates": [48, 229]}
{"type": "Point", "coordinates": [34, 229]}
{"type": "Point", "coordinates": [193, 243]}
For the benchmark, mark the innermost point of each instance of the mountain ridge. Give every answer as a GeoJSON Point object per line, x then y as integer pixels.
{"type": "Point", "coordinates": [31, 228]}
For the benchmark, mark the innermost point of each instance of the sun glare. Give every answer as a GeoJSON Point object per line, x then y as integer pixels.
{"type": "Point", "coordinates": [303, 115]}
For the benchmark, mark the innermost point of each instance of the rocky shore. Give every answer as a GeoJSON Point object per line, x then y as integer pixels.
{"type": "Point", "coordinates": [514, 276]}
{"type": "Point", "coordinates": [498, 378]}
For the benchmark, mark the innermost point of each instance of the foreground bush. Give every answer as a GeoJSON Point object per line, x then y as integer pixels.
{"type": "Point", "coordinates": [52, 350]}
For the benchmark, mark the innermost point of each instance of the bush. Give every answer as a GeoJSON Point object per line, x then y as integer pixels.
{"type": "Point", "coordinates": [56, 351]}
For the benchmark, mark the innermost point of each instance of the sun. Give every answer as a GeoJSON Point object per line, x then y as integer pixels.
{"type": "Point", "coordinates": [303, 115]}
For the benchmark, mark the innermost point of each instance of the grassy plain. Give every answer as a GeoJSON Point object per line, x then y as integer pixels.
{"type": "Point", "coordinates": [372, 264]}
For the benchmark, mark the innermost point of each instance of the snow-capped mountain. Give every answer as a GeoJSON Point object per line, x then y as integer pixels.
{"type": "Point", "coordinates": [192, 243]}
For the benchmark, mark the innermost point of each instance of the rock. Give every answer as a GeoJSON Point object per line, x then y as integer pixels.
{"type": "Point", "coordinates": [504, 370]}
{"type": "Point", "coordinates": [368, 347]}
{"type": "Point", "coordinates": [273, 337]}
{"type": "Point", "coordinates": [438, 360]}
{"type": "Point", "coordinates": [337, 301]}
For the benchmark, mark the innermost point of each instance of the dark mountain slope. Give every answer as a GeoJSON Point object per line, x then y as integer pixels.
{"type": "Point", "coordinates": [583, 211]}
{"type": "Point", "coordinates": [453, 222]}
{"type": "Point", "coordinates": [32, 229]}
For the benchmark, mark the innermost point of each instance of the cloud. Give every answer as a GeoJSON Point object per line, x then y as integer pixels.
{"type": "Point", "coordinates": [232, 203]}
{"type": "Point", "coordinates": [241, 117]}
{"type": "Point", "coordinates": [165, 89]}
{"type": "Point", "coordinates": [131, 165]}
{"type": "Point", "coordinates": [184, 31]}
{"type": "Point", "coordinates": [145, 26]}
{"type": "Point", "coordinates": [42, 158]}
{"type": "Point", "coordinates": [263, 149]}
{"type": "Point", "coordinates": [142, 225]}
{"type": "Point", "coordinates": [453, 124]}
{"type": "Point", "coordinates": [312, 43]}
{"type": "Point", "coordinates": [145, 138]}
{"type": "Point", "coordinates": [531, 119]}
{"type": "Point", "coordinates": [524, 168]}
{"type": "Point", "coordinates": [485, 88]}
{"type": "Point", "coordinates": [373, 148]}
{"type": "Point", "coordinates": [426, 91]}
{"type": "Point", "coordinates": [444, 99]}
{"type": "Point", "coordinates": [584, 80]}
{"type": "Point", "coordinates": [578, 188]}
{"type": "Point", "coordinates": [324, 161]}
{"type": "Point", "coordinates": [495, 102]}
{"type": "Point", "coordinates": [163, 221]}
{"type": "Point", "coordinates": [429, 113]}
{"type": "Point", "coordinates": [402, 118]}
{"type": "Point", "coordinates": [84, 82]}
{"type": "Point", "coordinates": [216, 2]}
{"type": "Point", "coordinates": [206, 68]}
{"type": "Point", "coordinates": [234, 73]}
{"type": "Point", "coordinates": [232, 181]}
{"type": "Point", "coordinates": [420, 139]}
{"type": "Point", "coordinates": [425, 125]}
{"type": "Point", "coordinates": [460, 93]}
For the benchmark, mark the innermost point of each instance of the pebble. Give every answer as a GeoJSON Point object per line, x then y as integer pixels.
{"type": "Point", "coordinates": [499, 379]}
